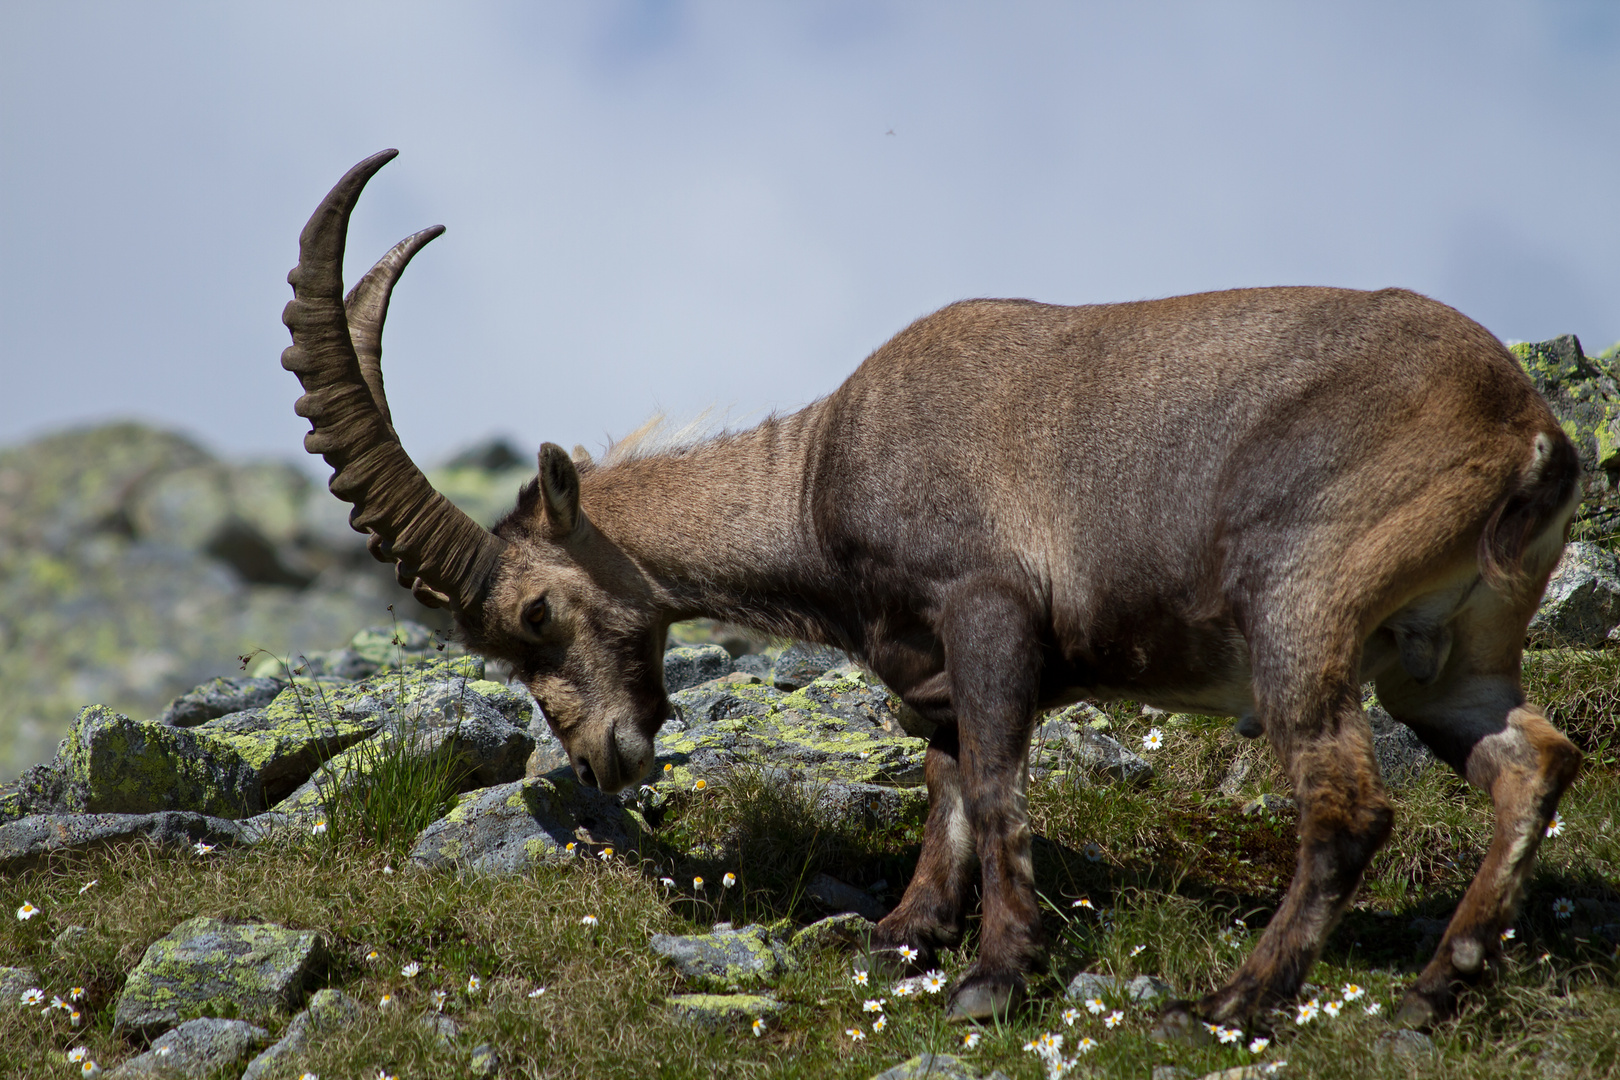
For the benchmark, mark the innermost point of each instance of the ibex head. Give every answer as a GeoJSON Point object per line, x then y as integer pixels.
{"type": "Point", "coordinates": [545, 590]}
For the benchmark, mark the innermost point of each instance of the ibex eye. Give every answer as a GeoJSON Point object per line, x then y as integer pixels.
{"type": "Point", "coordinates": [535, 614]}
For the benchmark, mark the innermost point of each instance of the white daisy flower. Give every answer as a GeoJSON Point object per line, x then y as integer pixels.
{"type": "Point", "coordinates": [1258, 1043]}
{"type": "Point", "coordinates": [201, 848]}
{"type": "Point", "coordinates": [934, 982]}
{"type": "Point", "coordinates": [1137, 950]}
{"type": "Point", "coordinates": [855, 1034]}
{"type": "Point", "coordinates": [87, 886]}
{"type": "Point", "coordinates": [873, 1004]}
{"type": "Point", "coordinates": [1307, 1012]}
{"type": "Point", "coordinates": [538, 991]}
{"type": "Point", "coordinates": [319, 828]}
{"type": "Point", "coordinates": [78, 1054]}
{"type": "Point", "coordinates": [759, 1026]}
{"type": "Point", "coordinates": [1086, 1044]}
{"type": "Point", "coordinates": [729, 880]}
{"type": "Point", "coordinates": [908, 953]}
{"type": "Point", "coordinates": [1153, 739]}
{"type": "Point", "coordinates": [1563, 907]}
{"type": "Point", "coordinates": [1070, 1016]}
{"type": "Point", "coordinates": [1229, 1035]}
{"type": "Point", "coordinates": [1095, 1006]}
{"type": "Point", "coordinates": [411, 970]}
{"type": "Point", "coordinates": [588, 920]}
{"type": "Point", "coordinates": [474, 982]}
{"type": "Point", "coordinates": [1351, 991]}
{"type": "Point", "coordinates": [880, 1023]}
{"type": "Point", "coordinates": [26, 912]}
{"type": "Point", "coordinates": [1114, 1019]}
{"type": "Point", "coordinates": [33, 996]}
{"type": "Point", "coordinates": [1373, 1008]}
{"type": "Point", "coordinates": [970, 1041]}
{"type": "Point", "coordinates": [1555, 827]}
{"type": "Point", "coordinates": [1332, 1008]}
{"type": "Point", "coordinates": [859, 978]}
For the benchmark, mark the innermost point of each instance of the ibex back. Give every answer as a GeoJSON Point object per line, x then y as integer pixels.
{"type": "Point", "coordinates": [1244, 503]}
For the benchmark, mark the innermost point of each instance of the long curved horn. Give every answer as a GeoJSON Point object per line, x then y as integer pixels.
{"type": "Point", "coordinates": [442, 554]}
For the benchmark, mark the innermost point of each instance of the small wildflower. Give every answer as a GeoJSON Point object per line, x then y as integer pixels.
{"type": "Point", "coordinates": [1093, 852]}
{"type": "Point", "coordinates": [759, 1026]}
{"type": "Point", "coordinates": [1228, 937]}
{"type": "Point", "coordinates": [873, 1004]}
{"type": "Point", "coordinates": [1095, 1006]}
{"type": "Point", "coordinates": [58, 1003]}
{"type": "Point", "coordinates": [387, 1000]}
{"type": "Point", "coordinates": [1332, 1008]}
{"type": "Point", "coordinates": [1049, 1043]}
{"type": "Point", "coordinates": [668, 768]}
{"type": "Point", "coordinates": [934, 982]}
{"type": "Point", "coordinates": [87, 886]}
{"type": "Point", "coordinates": [1544, 957]}
{"type": "Point", "coordinates": [1211, 1028]}
{"type": "Point", "coordinates": [1085, 902]}
{"type": "Point", "coordinates": [1138, 950]}
{"type": "Point", "coordinates": [904, 989]}
{"type": "Point", "coordinates": [729, 880]}
{"type": "Point", "coordinates": [700, 785]}
{"type": "Point", "coordinates": [90, 1068]}
{"type": "Point", "coordinates": [1070, 1016]}
{"type": "Point", "coordinates": [319, 828]}
{"type": "Point", "coordinates": [384, 1074]}
{"type": "Point", "coordinates": [1029, 1047]}
{"type": "Point", "coordinates": [568, 848]}
{"type": "Point", "coordinates": [1373, 1008]}
{"type": "Point", "coordinates": [859, 978]}
{"type": "Point", "coordinates": [667, 882]}
{"type": "Point", "coordinates": [855, 1034]}
{"type": "Point", "coordinates": [1274, 1067]}
{"type": "Point", "coordinates": [1229, 1035]}
{"type": "Point", "coordinates": [970, 1041]}
{"type": "Point", "coordinates": [474, 982]}
{"type": "Point", "coordinates": [387, 870]}
{"type": "Point", "coordinates": [1114, 1019]}
{"type": "Point", "coordinates": [201, 848]}
{"type": "Point", "coordinates": [1563, 907]}
{"type": "Point", "coordinates": [33, 996]}
{"type": "Point", "coordinates": [1351, 991]}
{"type": "Point", "coordinates": [372, 956]}
{"type": "Point", "coordinates": [587, 920]}
{"type": "Point", "coordinates": [77, 1054]}
{"type": "Point", "coordinates": [1086, 1044]}
{"type": "Point", "coordinates": [697, 884]}
{"type": "Point", "coordinates": [908, 953]}
{"type": "Point", "coordinates": [1555, 827]}
{"type": "Point", "coordinates": [1153, 739]}
{"type": "Point", "coordinates": [1258, 1043]}
{"type": "Point", "coordinates": [77, 993]}
{"type": "Point", "coordinates": [1509, 934]}
{"type": "Point", "coordinates": [26, 912]}
{"type": "Point", "coordinates": [438, 999]}
{"type": "Point", "coordinates": [75, 1017]}
{"type": "Point", "coordinates": [411, 970]}
{"type": "Point", "coordinates": [606, 854]}
{"type": "Point", "coordinates": [1308, 1011]}
{"type": "Point", "coordinates": [163, 1051]}
{"type": "Point", "coordinates": [880, 1023]}
{"type": "Point", "coordinates": [308, 1076]}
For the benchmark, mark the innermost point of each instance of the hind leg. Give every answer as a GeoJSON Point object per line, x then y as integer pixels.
{"type": "Point", "coordinates": [1476, 719]}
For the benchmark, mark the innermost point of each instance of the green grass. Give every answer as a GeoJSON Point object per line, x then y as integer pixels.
{"type": "Point", "coordinates": [1177, 867]}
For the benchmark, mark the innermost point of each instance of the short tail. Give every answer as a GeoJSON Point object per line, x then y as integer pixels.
{"type": "Point", "coordinates": [1546, 486]}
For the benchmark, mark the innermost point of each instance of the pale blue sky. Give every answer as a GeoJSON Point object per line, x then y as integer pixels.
{"type": "Point", "coordinates": [672, 205]}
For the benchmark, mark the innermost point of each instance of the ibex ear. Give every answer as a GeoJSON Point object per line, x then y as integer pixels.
{"type": "Point", "coordinates": [582, 459]}
{"type": "Point", "coordinates": [559, 489]}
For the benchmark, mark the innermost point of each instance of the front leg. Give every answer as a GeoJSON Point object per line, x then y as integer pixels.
{"type": "Point", "coordinates": [993, 656]}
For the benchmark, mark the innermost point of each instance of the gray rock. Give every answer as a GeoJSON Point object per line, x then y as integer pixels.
{"type": "Point", "coordinates": [1581, 607]}
{"type": "Point", "coordinates": [1404, 1044]}
{"type": "Point", "coordinates": [41, 789]}
{"type": "Point", "coordinates": [485, 1061]}
{"type": "Point", "coordinates": [328, 1010]}
{"type": "Point", "coordinates": [13, 981]}
{"type": "Point", "coordinates": [1142, 989]}
{"type": "Point", "coordinates": [724, 961]}
{"type": "Point", "coordinates": [203, 965]}
{"type": "Point", "coordinates": [720, 1010]}
{"type": "Point", "coordinates": [1585, 396]}
{"type": "Point", "coordinates": [196, 1049]}
{"type": "Point", "coordinates": [1068, 745]}
{"type": "Point", "coordinates": [689, 665]}
{"type": "Point", "coordinates": [23, 843]}
{"type": "Point", "coordinates": [1172, 1072]}
{"type": "Point", "coordinates": [935, 1067]}
{"type": "Point", "coordinates": [69, 939]}
{"type": "Point", "coordinates": [219, 697]}
{"type": "Point", "coordinates": [1402, 756]}
{"type": "Point", "coordinates": [802, 663]}
{"type": "Point", "coordinates": [1269, 803]}
{"type": "Point", "coordinates": [873, 804]}
{"type": "Point", "coordinates": [756, 664]}
{"type": "Point", "coordinates": [508, 828]}
{"type": "Point", "coordinates": [444, 1030]}
{"type": "Point", "coordinates": [835, 931]}
{"type": "Point", "coordinates": [830, 894]}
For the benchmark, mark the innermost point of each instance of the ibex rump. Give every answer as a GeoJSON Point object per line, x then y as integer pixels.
{"type": "Point", "coordinates": [1242, 503]}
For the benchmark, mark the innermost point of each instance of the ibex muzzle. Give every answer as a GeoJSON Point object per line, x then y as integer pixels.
{"type": "Point", "coordinates": [1243, 503]}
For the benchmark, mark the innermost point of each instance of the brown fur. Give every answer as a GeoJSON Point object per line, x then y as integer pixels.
{"type": "Point", "coordinates": [1244, 502]}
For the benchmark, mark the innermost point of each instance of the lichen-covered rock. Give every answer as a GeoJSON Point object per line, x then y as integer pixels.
{"type": "Point", "coordinates": [687, 666]}
{"type": "Point", "coordinates": [802, 663]}
{"type": "Point", "coordinates": [719, 1010]}
{"type": "Point", "coordinates": [508, 828]}
{"type": "Point", "coordinates": [935, 1067]}
{"type": "Point", "coordinates": [874, 804]}
{"type": "Point", "coordinates": [1141, 989]}
{"type": "Point", "coordinates": [1402, 756]}
{"type": "Point", "coordinates": [41, 789]}
{"type": "Point", "coordinates": [835, 931]}
{"type": "Point", "coordinates": [1586, 399]}
{"type": "Point", "coordinates": [219, 697]}
{"type": "Point", "coordinates": [841, 728]}
{"type": "Point", "coordinates": [23, 843]}
{"type": "Point", "coordinates": [1581, 608]}
{"type": "Point", "coordinates": [113, 764]}
{"type": "Point", "coordinates": [13, 981]}
{"type": "Point", "coordinates": [1068, 745]}
{"type": "Point", "coordinates": [196, 1050]}
{"type": "Point", "coordinates": [484, 1062]}
{"type": "Point", "coordinates": [203, 967]}
{"type": "Point", "coordinates": [725, 960]}
{"type": "Point", "coordinates": [328, 1010]}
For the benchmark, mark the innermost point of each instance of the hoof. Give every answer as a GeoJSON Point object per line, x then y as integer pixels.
{"type": "Point", "coordinates": [1179, 1024]}
{"type": "Point", "coordinates": [985, 997]}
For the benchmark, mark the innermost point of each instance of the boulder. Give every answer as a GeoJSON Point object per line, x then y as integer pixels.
{"type": "Point", "coordinates": [1585, 396]}
{"type": "Point", "coordinates": [13, 981]}
{"type": "Point", "coordinates": [830, 894]}
{"type": "Point", "coordinates": [219, 697]}
{"type": "Point", "coordinates": [203, 966]}
{"type": "Point", "coordinates": [328, 1010]}
{"type": "Point", "coordinates": [196, 1050]}
{"type": "Point", "coordinates": [725, 960]}
{"type": "Point", "coordinates": [484, 1062]}
{"type": "Point", "coordinates": [1142, 989]}
{"type": "Point", "coordinates": [1581, 608]}
{"type": "Point", "coordinates": [833, 932]}
{"type": "Point", "coordinates": [1402, 756]}
{"type": "Point", "coordinates": [802, 663]}
{"type": "Point", "coordinates": [508, 828]}
{"type": "Point", "coordinates": [1067, 745]}
{"type": "Point", "coordinates": [720, 1010]}
{"type": "Point", "coordinates": [688, 666]}
{"type": "Point", "coordinates": [23, 843]}
{"type": "Point", "coordinates": [935, 1067]}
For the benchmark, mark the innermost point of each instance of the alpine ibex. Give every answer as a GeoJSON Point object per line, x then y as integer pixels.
{"type": "Point", "coordinates": [1241, 503]}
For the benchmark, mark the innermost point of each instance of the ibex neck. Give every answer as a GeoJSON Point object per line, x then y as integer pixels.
{"type": "Point", "coordinates": [723, 528]}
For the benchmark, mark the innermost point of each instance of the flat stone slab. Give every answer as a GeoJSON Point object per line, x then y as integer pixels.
{"type": "Point", "coordinates": [835, 931]}
{"type": "Point", "coordinates": [196, 1050]}
{"type": "Point", "coordinates": [256, 970]}
{"type": "Point", "coordinates": [936, 1067]}
{"type": "Point", "coordinates": [25, 842]}
{"type": "Point", "coordinates": [508, 828]}
{"type": "Point", "coordinates": [725, 960]}
{"type": "Point", "coordinates": [830, 894]}
{"type": "Point", "coordinates": [1142, 989]}
{"type": "Point", "coordinates": [719, 1010]}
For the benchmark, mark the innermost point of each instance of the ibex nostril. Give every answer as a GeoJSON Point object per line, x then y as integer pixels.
{"type": "Point", "coordinates": [582, 769]}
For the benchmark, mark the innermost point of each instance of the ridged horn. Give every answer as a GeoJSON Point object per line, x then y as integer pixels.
{"type": "Point", "coordinates": [444, 556]}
